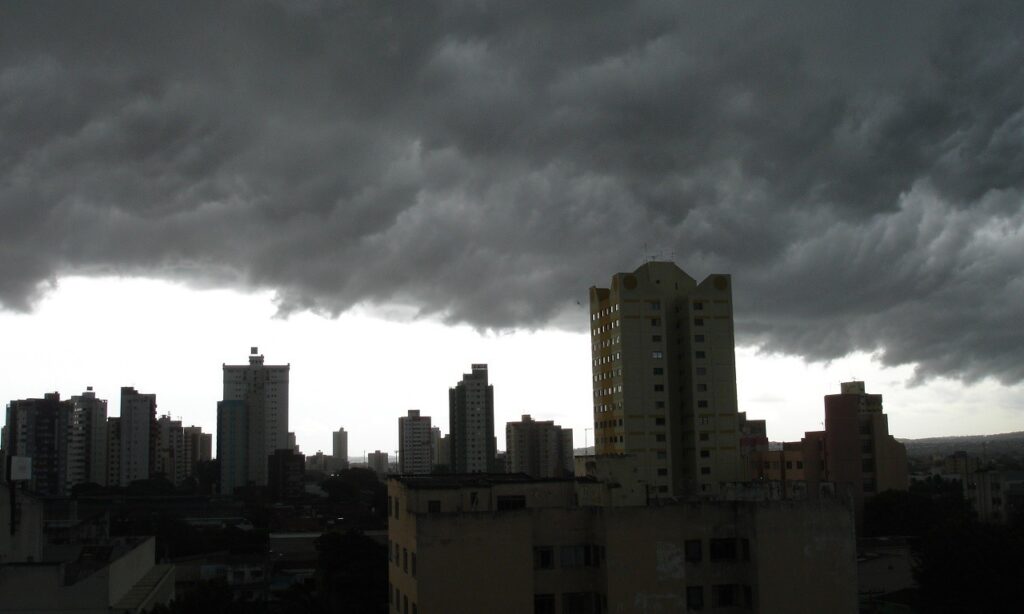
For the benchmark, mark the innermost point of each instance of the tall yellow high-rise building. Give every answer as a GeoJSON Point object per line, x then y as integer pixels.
{"type": "Point", "coordinates": [664, 375]}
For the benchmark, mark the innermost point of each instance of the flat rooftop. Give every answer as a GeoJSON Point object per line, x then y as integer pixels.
{"type": "Point", "coordinates": [465, 480]}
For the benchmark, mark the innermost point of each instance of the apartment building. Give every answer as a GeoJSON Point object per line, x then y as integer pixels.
{"type": "Point", "coordinates": [540, 449]}
{"type": "Point", "coordinates": [415, 450]}
{"type": "Point", "coordinates": [263, 391]}
{"type": "Point", "coordinates": [471, 423]}
{"type": "Point", "coordinates": [664, 377]}
{"type": "Point", "coordinates": [544, 546]}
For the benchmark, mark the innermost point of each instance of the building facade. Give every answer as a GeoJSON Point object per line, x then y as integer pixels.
{"type": "Point", "coordinates": [340, 449]}
{"type": "Point", "coordinates": [138, 435]}
{"type": "Point", "coordinates": [41, 429]}
{"type": "Point", "coordinates": [415, 456]}
{"type": "Point", "coordinates": [264, 391]}
{"type": "Point", "coordinates": [113, 451]}
{"type": "Point", "coordinates": [198, 447]}
{"type": "Point", "coordinates": [559, 557]}
{"type": "Point", "coordinates": [233, 445]}
{"type": "Point", "coordinates": [87, 449]}
{"type": "Point", "coordinates": [540, 449]}
{"type": "Point", "coordinates": [664, 377]}
{"type": "Point", "coordinates": [378, 461]}
{"type": "Point", "coordinates": [471, 423]}
{"type": "Point", "coordinates": [170, 450]}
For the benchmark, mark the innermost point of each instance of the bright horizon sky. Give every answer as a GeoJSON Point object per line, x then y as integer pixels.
{"type": "Point", "coordinates": [363, 370]}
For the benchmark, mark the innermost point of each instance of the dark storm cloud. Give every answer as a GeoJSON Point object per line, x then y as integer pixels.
{"type": "Point", "coordinates": [858, 169]}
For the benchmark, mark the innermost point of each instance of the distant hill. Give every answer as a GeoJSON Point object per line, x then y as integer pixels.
{"type": "Point", "coordinates": [1000, 443]}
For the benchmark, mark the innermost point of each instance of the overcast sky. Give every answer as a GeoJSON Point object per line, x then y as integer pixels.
{"type": "Point", "coordinates": [453, 177]}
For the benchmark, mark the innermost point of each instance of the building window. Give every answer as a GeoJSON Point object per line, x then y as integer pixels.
{"type": "Point", "coordinates": [659, 388]}
{"type": "Point", "coordinates": [705, 470]}
{"type": "Point", "coordinates": [698, 305]}
{"type": "Point", "coordinates": [655, 321]}
{"type": "Point", "coordinates": [702, 371]}
{"type": "Point", "coordinates": [656, 355]}
{"type": "Point", "coordinates": [660, 454]}
{"type": "Point", "coordinates": [694, 598]}
{"type": "Point", "coordinates": [702, 404]}
{"type": "Point", "coordinates": [413, 570]}
{"type": "Point", "coordinates": [704, 420]}
{"type": "Point", "coordinates": [659, 371]}
{"type": "Point", "coordinates": [659, 422]}
{"type": "Point", "coordinates": [659, 438]}
{"type": "Point", "coordinates": [579, 603]}
{"type": "Point", "coordinates": [659, 404]}
{"type": "Point", "coordinates": [701, 354]}
{"type": "Point", "coordinates": [702, 387]}
{"type": "Point", "coordinates": [698, 321]}
{"type": "Point", "coordinates": [663, 489]}
{"type": "Point", "coordinates": [799, 464]}
{"type": "Point", "coordinates": [654, 304]}
{"type": "Point", "coordinates": [705, 453]}
{"type": "Point", "coordinates": [543, 557]}
{"type": "Point", "coordinates": [745, 549]}
{"type": "Point", "coordinates": [698, 338]}
{"type": "Point", "coordinates": [662, 471]}
{"type": "Point", "coordinates": [705, 437]}
{"type": "Point", "coordinates": [656, 338]}
{"type": "Point", "coordinates": [693, 551]}
{"type": "Point", "coordinates": [511, 502]}
{"type": "Point", "coordinates": [571, 557]}
{"type": "Point", "coordinates": [723, 549]}
{"type": "Point", "coordinates": [433, 506]}
{"type": "Point", "coordinates": [405, 560]}
{"type": "Point", "coordinates": [544, 604]}
{"type": "Point", "coordinates": [789, 464]}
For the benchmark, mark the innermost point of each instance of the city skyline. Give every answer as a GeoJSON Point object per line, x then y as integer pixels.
{"type": "Point", "coordinates": [785, 391]}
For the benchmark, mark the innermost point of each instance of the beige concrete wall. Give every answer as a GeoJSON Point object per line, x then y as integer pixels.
{"type": "Point", "coordinates": [794, 556]}
{"type": "Point", "coordinates": [805, 556]}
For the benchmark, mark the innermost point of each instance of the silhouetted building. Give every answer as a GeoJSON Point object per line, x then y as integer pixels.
{"type": "Point", "coordinates": [285, 472]}
{"type": "Point", "coordinates": [198, 447]}
{"type": "Point", "coordinates": [170, 449]}
{"type": "Point", "coordinates": [557, 546]}
{"type": "Point", "coordinates": [40, 429]}
{"type": "Point", "coordinates": [113, 451]}
{"type": "Point", "coordinates": [340, 449]}
{"type": "Point", "coordinates": [664, 378]}
{"type": "Point", "coordinates": [471, 423]}
{"type": "Point", "coordinates": [414, 444]}
{"type": "Point", "coordinates": [87, 450]}
{"type": "Point", "coordinates": [139, 435]}
{"type": "Point", "coordinates": [378, 461]}
{"type": "Point", "coordinates": [263, 389]}
{"type": "Point", "coordinates": [233, 445]}
{"type": "Point", "coordinates": [538, 449]}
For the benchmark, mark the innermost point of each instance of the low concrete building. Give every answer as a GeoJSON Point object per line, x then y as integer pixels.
{"type": "Point", "coordinates": [98, 576]}
{"type": "Point", "coordinates": [536, 549]}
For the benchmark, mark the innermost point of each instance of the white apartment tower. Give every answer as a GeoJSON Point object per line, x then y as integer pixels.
{"type": "Point", "coordinates": [415, 455]}
{"type": "Point", "coordinates": [87, 448]}
{"type": "Point", "coordinates": [471, 423]}
{"type": "Point", "coordinates": [138, 435]}
{"type": "Point", "coordinates": [264, 391]}
{"type": "Point", "coordinates": [664, 378]}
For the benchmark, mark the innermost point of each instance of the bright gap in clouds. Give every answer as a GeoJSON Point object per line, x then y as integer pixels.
{"type": "Point", "coordinates": [362, 372]}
